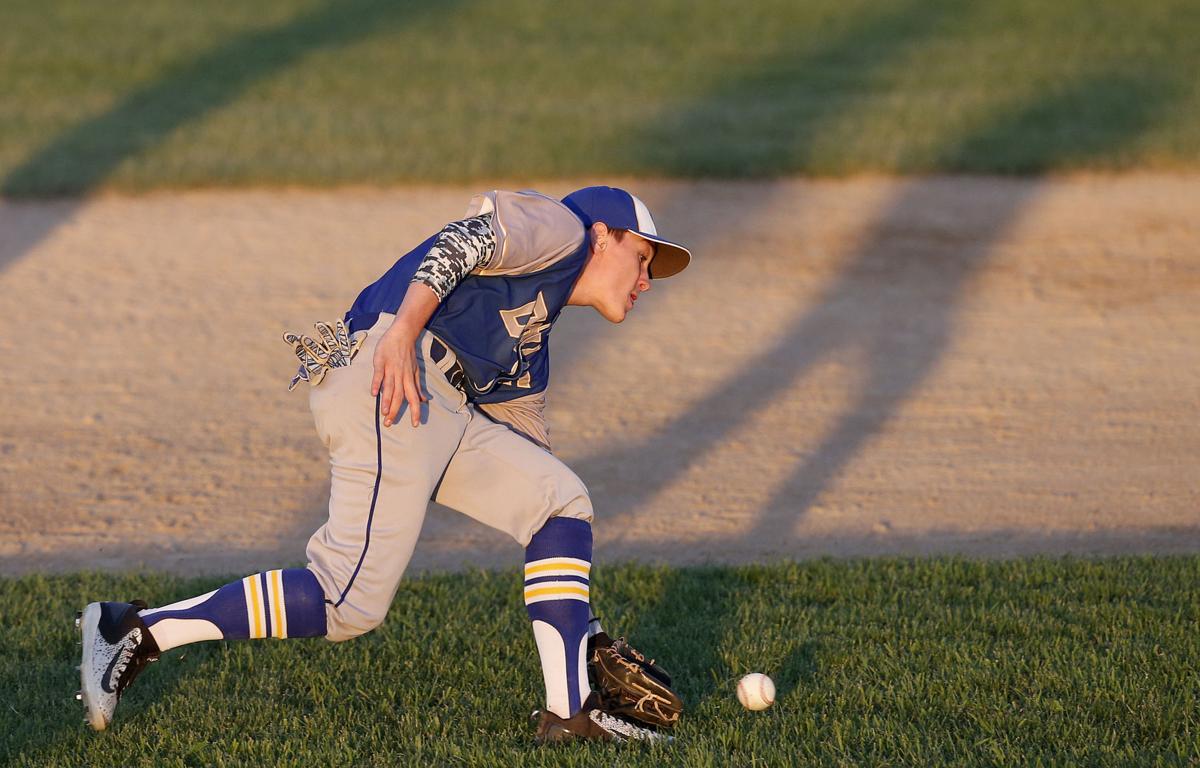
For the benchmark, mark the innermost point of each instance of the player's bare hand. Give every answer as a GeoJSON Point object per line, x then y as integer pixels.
{"type": "Point", "coordinates": [397, 377]}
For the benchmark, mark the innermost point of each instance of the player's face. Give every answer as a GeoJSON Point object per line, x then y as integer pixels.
{"type": "Point", "coordinates": [626, 274]}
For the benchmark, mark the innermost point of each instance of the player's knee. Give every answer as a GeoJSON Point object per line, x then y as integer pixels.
{"type": "Point", "coordinates": [579, 507]}
{"type": "Point", "coordinates": [346, 622]}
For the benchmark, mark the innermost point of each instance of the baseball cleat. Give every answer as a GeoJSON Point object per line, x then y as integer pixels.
{"type": "Point", "coordinates": [592, 723]}
{"type": "Point", "coordinates": [117, 646]}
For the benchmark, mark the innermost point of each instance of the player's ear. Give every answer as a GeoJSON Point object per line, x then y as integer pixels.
{"type": "Point", "coordinates": [599, 235]}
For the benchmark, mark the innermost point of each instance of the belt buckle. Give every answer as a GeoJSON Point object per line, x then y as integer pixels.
{"type": "Point", "coordinates": [456, 376]}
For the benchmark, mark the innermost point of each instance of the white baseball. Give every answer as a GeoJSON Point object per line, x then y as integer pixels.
{"type": "Point", "coordinates": [756, 691]}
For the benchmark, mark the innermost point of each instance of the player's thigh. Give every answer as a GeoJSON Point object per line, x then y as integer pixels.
{"type": "Point", "coordinates": [381, 479]}
{"type": "Point", "coordinates": [508, 482]}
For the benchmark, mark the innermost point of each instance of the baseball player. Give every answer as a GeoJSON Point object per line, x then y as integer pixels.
{"type": "Point", "coordinates": [433, 386]}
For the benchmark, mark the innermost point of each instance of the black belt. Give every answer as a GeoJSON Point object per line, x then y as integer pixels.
{"type": "Point", "coordinates": [455, 373]}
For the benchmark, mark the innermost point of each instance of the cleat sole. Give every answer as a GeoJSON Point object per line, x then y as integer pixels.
{"type": "Point", "coordinates": [92, 717]}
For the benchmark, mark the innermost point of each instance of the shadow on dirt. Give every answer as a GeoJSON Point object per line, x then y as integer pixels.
{"type": "Point", "coordinates": [899, 344]}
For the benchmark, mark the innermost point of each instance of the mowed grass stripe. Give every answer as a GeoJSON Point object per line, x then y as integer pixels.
{"type": "Point", "coordinates": [304, 92]}
{"type": "Point", "coordinates": [901, 662]}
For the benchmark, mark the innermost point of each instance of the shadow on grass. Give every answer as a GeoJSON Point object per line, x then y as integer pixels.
{"type": "Point", "coordinates": [682, 630]}
{"type": "Point", "coordinates": [81, 159]}
{"type": "Point", "coordinates": [697, 630]}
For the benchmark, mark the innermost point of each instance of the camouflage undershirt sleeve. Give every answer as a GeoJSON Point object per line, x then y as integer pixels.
{"type": "Point", "coordinates": [462, 247]}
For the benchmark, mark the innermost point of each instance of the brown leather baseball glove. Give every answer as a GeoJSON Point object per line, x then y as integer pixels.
{"type": "Point", "coordinates": [630, 685]}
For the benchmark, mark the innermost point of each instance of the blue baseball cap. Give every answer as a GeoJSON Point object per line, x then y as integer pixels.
{"type": "Point", "coordinates": [620, 210]}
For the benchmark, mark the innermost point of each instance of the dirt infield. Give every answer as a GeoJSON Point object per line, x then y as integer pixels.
{"type": "Point", "coordinates": [980, 366]}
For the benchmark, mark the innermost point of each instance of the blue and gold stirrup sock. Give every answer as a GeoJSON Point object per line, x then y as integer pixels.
{"type": "Point", "coordinates": [284, 603]}
{"type": "Point", "coordinates": [557, 562]}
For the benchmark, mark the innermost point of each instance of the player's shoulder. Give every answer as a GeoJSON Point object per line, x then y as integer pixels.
{"type": "Point", "coordinates": [530, 201]}
{"type": "Point", "coordinates": [533, 230]}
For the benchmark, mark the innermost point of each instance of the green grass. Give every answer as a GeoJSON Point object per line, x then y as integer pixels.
{"type": "Point", "coordinates": [883, 662]}
{"type": "Point", "coordinates": [175, 93]}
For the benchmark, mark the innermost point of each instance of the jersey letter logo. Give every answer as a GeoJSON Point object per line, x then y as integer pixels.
{"type": "Point", "coordinates": [527, 324]}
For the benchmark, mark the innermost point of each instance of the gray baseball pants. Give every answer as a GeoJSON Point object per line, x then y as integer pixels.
{"type": "Point", "coordinates": [382, 479]}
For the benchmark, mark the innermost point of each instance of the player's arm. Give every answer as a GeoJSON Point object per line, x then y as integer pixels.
{"type": "Point", "coordinates": [397, 376]}
{"type": "Point", "coordinates": [462, 247]}
{"type": "Point", "coordinates": [505, 233]}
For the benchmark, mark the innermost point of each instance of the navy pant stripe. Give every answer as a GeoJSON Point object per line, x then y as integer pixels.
{"type": "Point", "coordinates": [374, 498]}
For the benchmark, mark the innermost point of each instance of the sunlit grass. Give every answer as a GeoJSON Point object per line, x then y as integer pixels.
{"type": "Point", "coordinates": [877, 662]}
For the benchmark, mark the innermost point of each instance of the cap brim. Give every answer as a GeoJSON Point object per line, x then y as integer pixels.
{"type": "Point", "coordinates": [669, 258]}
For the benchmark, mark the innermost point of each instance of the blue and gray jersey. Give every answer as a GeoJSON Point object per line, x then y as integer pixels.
{"type": "Point", "coordinates": [521, 254]}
